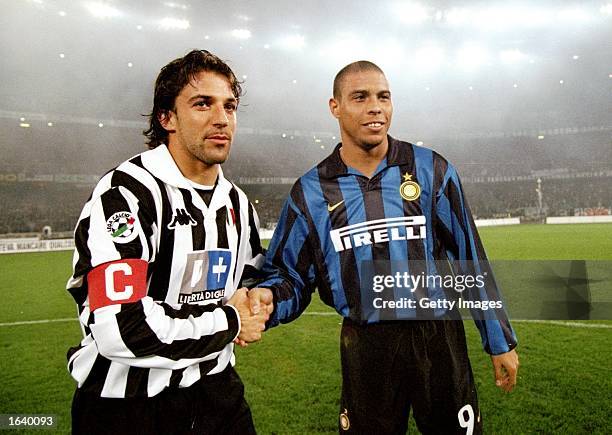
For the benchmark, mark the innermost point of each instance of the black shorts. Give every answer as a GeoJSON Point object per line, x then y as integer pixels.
{"type": "Point", "coordinates": [213, 405]}
{"type": "Point", "coordinates": [389, 367]}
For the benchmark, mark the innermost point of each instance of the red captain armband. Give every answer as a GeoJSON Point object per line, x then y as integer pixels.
{"type": "Point", "coordinates": [117, 282]}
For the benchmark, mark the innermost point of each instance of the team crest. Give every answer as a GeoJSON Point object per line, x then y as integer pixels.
{"type": "Point", "coordinates": [121, 227]}
{"type": "Point", "coordinates": [345, 423]}
{"type": "Point", "coordinates": [409, 189]}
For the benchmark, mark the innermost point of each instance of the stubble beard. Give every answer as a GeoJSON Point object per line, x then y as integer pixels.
{"type": "Point", "coordinates": [208, 158]}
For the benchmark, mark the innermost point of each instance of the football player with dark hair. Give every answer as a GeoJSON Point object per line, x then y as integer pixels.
{"type": "Point", "coordinates": [162, 247]}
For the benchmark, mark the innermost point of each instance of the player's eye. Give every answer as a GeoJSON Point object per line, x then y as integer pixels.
{"type": "Point", "coordinates": [231, 107]}
{"type": "Point", "coordinates": [359, 97]}
{"type": "Point", "coordinates": [201, 103]}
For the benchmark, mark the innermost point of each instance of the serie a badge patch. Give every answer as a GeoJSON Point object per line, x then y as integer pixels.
{"type": "Point", "coordinates": [120, 226]}
{"type": "Point", "coordinates": [409, 189]}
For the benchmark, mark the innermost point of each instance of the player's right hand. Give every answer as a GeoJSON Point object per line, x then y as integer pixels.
{"type": "Point", "coordinates": [251, 325]}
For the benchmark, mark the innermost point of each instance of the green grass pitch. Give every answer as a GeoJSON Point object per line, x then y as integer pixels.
{"type": "Point", "coordinates": [292, 376]}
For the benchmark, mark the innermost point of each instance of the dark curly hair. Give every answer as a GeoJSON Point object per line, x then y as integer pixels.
{"type": "Point", "coordinates": [173, 78]}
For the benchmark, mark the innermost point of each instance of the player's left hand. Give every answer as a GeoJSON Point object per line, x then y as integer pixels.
{"type": "Point", "coordinates": [261, 300]}
{"type": "Point", "coordinates": [506, 367]}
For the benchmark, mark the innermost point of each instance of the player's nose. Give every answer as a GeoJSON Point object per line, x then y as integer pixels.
{"type": "Point", "coordinates": [219, 116]}
{"type": "Point", "coordinates": [374, 108]}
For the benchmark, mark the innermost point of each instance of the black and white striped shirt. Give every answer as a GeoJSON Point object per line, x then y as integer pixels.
{"type": "Point", "coordinates": [153, 266]}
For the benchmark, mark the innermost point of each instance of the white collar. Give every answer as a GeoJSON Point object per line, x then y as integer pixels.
{"type": "Point", "coordinates": [160, 163]}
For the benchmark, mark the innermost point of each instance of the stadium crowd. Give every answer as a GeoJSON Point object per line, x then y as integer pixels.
{"type": "Point", "coordinates": [28, 207]}
{"type": "Point", "coordinates": [499, 174]}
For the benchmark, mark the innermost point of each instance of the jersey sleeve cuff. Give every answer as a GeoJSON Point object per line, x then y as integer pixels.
{"type": "Point", "coordinates": [233, 320]}
{"type": "Point", "coordinates": [273, 320]}
{"type": "Point", "coordinates": [497, 352]}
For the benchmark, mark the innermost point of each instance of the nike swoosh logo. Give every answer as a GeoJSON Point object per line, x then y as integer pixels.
{"type": "Point", "coordinates": [331, 208]}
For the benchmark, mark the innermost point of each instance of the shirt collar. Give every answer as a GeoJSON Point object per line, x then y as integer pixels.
{"type": "Point", "coordinates": [333, 166]}
{"type": "Point", "coordinates": [160, 163]}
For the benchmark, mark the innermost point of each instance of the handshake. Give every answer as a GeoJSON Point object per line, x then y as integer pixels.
{"type": "Point", "coordinates": [254, 307]}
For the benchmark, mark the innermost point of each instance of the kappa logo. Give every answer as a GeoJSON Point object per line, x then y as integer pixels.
{"type": "Point", "coordinates": [181, 217]}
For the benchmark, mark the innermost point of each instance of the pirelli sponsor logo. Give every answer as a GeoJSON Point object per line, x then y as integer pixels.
{"type": "Point", "coordinates": [379, 231]}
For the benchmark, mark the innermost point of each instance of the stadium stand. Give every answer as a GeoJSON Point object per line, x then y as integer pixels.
{"type": "Point", "coordinates": [48, 174]}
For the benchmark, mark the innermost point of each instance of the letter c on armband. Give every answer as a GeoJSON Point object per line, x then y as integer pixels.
{"type": "Point", "coordinates": [117, 282]}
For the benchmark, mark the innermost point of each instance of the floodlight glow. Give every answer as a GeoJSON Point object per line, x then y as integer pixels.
{"type": "Point", "coordinates": [429, 58]}
{"type": "Point", "coordinates": [169, 23]}
{"type": "Point", "coordinates": [458, 16]}
{"type": "Point", "coordinates": [100, 125]}
{"type": "Point", "coordinates": [389, 53]}
{"type": "Point", "coordinates": [293, 42]}
{"type": "Point", "coordinates": [499, 18]}
{"type": "Point", "coordinates": [512, 56]}
{"type": "Point", "coordinates": [50, 124]}
{"type": "Point", "coordinates": [346, 47]}
{"type": "Point", "coordinates": [511, 17]}
{"type": "Point", "coordinates": [241, 33]}
{"type": "Point", "coordinates": [22, 119]}
{"type": "Point", "coordinates": [176, 5]}
{"type": "Point", "coordinates": [62, 55]}
{"type": "Point", "coordinates": [574, 15]}
{"type": "Point", "coordinates": [61, 13]}
{"type": "Point", "coordinates": [102, 10]}
{"type": "Point", "coordinates": [24, 125]}
{"type": "Point", "coordinates": [540, 137]}
{"type": "Point", "coordinates": [470, 57]}
{"type": "Point", "coordinates": [411, 13]}
{"type": "Point", "coordinates": [130, 64]}
{"type": "Point", "coordinates": [420, 143]}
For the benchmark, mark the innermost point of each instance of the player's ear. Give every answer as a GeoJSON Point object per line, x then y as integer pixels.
{"type": "Point", "coordinates": [333, 107]}
{"type": "Point", "coordinates": [167, 119]}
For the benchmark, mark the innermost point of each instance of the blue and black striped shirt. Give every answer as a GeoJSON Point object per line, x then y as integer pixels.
{"type": "Point", "coordinates": [335, 220]}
